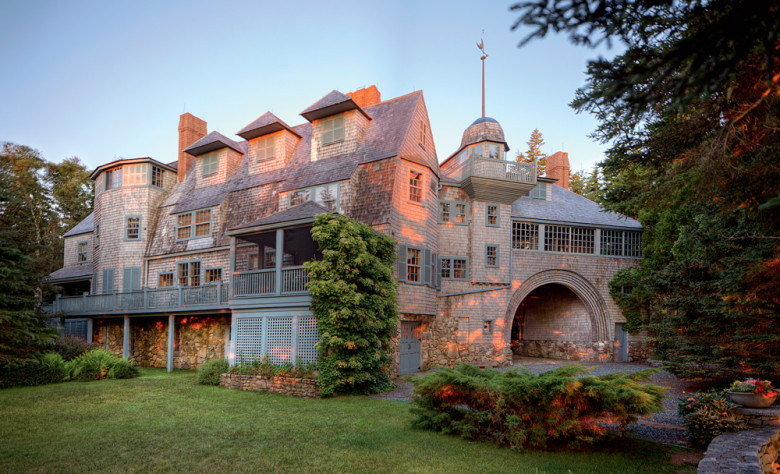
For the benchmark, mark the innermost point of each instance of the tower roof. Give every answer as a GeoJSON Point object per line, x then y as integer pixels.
{"type": "Point", "coordinates": [483, 129]}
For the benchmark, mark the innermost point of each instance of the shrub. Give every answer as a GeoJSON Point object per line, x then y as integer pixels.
{"type": "Point", "coordinates": [709, 414]}
{"type": "Point", "coordinates": [70, 347]}
{"type": "Point", "coordinates": [520, 409]}
{"type": "Point", "coordinates": [208, 373]}
{"type": "Point", "coordinates": [98, 364]}
{"type": "Point", "coordinates": [264, 367]}
{"type": "Point", "coordinates": [353, 297]}
{"type": "Point", "coordinates": [40, 369]}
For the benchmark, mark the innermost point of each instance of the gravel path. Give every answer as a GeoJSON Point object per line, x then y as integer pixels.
{"type": "Point", "coordinates": [664, 427]}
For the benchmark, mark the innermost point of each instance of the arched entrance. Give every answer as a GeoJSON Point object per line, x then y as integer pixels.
{"type": "Point", "coordinates": [559, 314]}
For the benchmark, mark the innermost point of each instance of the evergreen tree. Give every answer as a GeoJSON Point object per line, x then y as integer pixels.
{"type": "Point", "coordinates": [586, 185]}
{"type": "Point", "coordinates": [534, 152]}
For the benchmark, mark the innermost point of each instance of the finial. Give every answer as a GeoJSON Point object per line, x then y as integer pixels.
{"type": "Point", "coordinates": [481, 46]}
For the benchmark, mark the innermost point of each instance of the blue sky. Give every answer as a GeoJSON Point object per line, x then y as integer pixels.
{"type": "Point", "coordinates": [106, 79]}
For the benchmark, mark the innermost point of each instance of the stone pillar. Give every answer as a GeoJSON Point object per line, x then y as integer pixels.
{"type": "Point", "coordinates": [171, 334]}
{"type": "Point", "coordinates": [279, 258]}
{"type": "Point", "coordinates": [126, 338]}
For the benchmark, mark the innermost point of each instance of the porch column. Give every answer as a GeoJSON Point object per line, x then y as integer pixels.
{"type": "Point", "coordinates": [90, 323]}
{"type": "Point", "coordinates": [279, 258]}
{"type": "Point", "coordinates": [126, 338]}
{"type": "Point", "coordinates": [231, 281]}
{"type": "Point", "coordinates": [232, 352]}
{"type": "Point", "coordinates": [171, 334]}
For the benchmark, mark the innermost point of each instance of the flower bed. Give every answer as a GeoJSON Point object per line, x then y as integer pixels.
{"type": "Point", "coordinates": [295, 387]}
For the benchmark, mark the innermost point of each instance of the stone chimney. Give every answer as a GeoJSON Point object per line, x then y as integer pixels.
{"type": "Point", "coordinates": [191, 129]}
{"type": "Point", "coordinates": [366, 97]}
{"type": "Point", "coordinates": [558, 168]}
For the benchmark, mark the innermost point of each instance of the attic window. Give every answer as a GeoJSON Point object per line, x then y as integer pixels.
{"type": "Point", "coordinates": [333, 130]}
{"type": "Point", "coordinates": [265, 149]}
{"type": "Point", "coordinates": [210, 164]}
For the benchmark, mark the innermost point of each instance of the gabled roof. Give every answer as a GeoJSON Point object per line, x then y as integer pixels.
{"type": "Point", "coordinates": [569, 207]}
{"type": "Point", "coordinates": [333, 103]}
{"type": "Point", "coordinates": [74, 273]}
{"type": "Point", "coordinates": [85, 226]}
{"type": "Point", "coordinates": [267, 123]}
{"type": "Point", "coordinates": [212, 141]}
{"type": "Point", "coordinates": [306, 211]}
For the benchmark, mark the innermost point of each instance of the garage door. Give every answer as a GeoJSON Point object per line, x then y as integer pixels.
{"type": "Point", "coordinates": [411, 333]}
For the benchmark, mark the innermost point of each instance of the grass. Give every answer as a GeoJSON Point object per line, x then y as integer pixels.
{"type": "Point", "coordinates": [166, 422]}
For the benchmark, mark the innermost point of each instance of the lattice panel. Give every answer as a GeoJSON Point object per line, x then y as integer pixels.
{"type": "Point", "coordinates": [307, 339]}
{"type": "Point", "coordinates": [249, 339]}
{"type": "Point", "coordinates": [279, 339]}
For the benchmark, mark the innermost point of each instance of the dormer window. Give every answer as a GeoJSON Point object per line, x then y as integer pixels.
{"type": "Point", "coordinates": [210, 164]}
{"type": "Point", "coordinates": [265, 149]}
{"type": "Point", "coordinates": [333, 130]}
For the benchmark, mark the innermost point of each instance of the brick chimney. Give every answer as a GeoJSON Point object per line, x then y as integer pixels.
{"type": "Point", "coordinates": [191, 129]}
{"type": "Point", "coordinates": [366, 97]}
{"type": "Point", "coordinates": [558, 168]}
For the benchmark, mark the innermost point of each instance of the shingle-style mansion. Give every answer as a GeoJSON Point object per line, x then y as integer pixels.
{"type": "Point", "coordinates": [203, 257]}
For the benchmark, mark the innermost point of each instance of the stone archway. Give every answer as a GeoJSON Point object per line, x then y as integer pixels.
{"type": "Point", "coordinates": [578, 285]}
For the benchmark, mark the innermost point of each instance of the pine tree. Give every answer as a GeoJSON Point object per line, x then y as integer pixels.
{"type": "Point", "coordinates": [535, 152]}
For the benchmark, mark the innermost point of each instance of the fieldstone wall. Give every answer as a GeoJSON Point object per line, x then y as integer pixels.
{"type": "Point", "coordinates": [107, 334]}
{"type": "Point", "coordinates": [600, 351]}
{"type": "Point", "coordinates": [759, 417]}
{"type": "Point", "coordinates": [754, 451]}
{"type": "Point", "coordinates": [638, 351]}
{"type": "Point", "coordinates": [302, 388]}
{"type": "Point", "coordinates": [199, 337]}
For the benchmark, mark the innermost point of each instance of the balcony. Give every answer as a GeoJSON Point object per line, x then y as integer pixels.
{"type": "Point", "coordinates": [150, 300]}
{"type": "Point", "coordinates": [490, 179]}
{"type": "Point", "coordinates": [273, 282]}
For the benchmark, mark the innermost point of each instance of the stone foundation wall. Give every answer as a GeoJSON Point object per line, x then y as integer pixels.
{"type": "Point", "coordinates": [111, 329]}
{"type": "Point", "coordinates": [638, 351]}
{"type": "Point", "coordinates": [600, 351]}
{"type": "Point", "coordinates": [302, 388]}
{"type": "Point", "coordinates": [743, 451]}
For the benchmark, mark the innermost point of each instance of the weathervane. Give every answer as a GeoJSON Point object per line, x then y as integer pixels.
{"type": "Point", "coordinates": [481, 46]}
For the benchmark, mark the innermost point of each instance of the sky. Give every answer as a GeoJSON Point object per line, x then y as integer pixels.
{"type": "Point", "coordinates": [103, 80]}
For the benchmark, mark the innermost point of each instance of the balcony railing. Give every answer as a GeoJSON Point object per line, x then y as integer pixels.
{"type": "Point", "coordinates": [480, 167]}
{"type": "Point", "coordinates": [291, 280]}
{"type": "Point", "coordinates": [150, 299]}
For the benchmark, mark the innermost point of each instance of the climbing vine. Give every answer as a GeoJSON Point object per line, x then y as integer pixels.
{"type": "Point", "coordinates": [354, 300]}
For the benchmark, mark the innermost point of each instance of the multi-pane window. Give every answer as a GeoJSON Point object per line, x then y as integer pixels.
{"type": "Point", "coordinates": [113, 178]}
{"type": "Point", "coordinates": [455, 212]}
{"type": "Point", "coordinates": [213, 275]}
{"type": "Point", "coordinates": [265, 149]}
{"type": "Point", "coordinates": [327, 195]}
{"type": "Point", "coordinates": [165, 279]}
{"type": "Point", "coordinates": [136, 175]}
{"type": "Point", "coordinates": [189, 274]}
{"type": "Point", "coordinates": [525, 236]}
{"type": "Point", "coordinates": [491, 255]}
{"type": "Point", "coordinates": [492, 215]}
{"type": "Point", "coordinates": [582, 240]}
{"type": "Point", "coordinates": [475, 151]}
{"type": "Point", "coordinates": [621, 243]}
{"type": "Point", "coordinates": [558, 238]}
{"type": "Point", "coordinates": [133, 228]}
{"type": "Point", "coordinates": [333, 130]}
{"type": "Point", "coordinates": [413, 264]}
{"type": "Point", "coordinates": [158, 177]}
{"type": "Point", "coordinates": [539, 192]}
{"type": "Point", "coordinates": [415, 186]}
{"type": "Point", "coordinates": [210, 164]}
{"type": "Point", "coordinates": [193, 224]}
{"type": "Point", "coordinates": [83, 252]}
{"type": "Point", "coordinates": [452, 268]}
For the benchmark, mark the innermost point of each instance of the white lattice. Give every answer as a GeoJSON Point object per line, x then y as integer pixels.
{"type": "Point", "coordinates": [279, 339]}
{"type": "Point", "coordinates": [249, 339]}
{"type": "Point", "coordinates": [307, 339]}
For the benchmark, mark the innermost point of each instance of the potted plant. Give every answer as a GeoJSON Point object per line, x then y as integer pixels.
{"type": "Point", "coordinates": [753, 393]}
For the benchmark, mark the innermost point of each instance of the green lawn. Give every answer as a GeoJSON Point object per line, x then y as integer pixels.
{"type": "Point", "coordinates": [165, 422]}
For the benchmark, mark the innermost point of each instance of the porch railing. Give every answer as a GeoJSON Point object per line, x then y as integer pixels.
{"type": "Point", "coordinates": [151, 299]}
{"type": "Point", "coordinates": [264, 282]}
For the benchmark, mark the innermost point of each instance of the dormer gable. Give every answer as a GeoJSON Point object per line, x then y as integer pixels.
{"type": "Point", "coordinates": [271, 143]}
{"type": "Point", "coordinates": [338, 125]}
{"type": "Point", "coordinates": [216, 157]}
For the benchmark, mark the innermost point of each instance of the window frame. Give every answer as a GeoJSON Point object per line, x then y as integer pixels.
{"type": "Point", "coordinates": [189, 276]}
{"type": "Point", "coordinates": [264, 144]}
{"type": "Point", "coordinates": [213, 162]}
{"type": "Point", "coordinates": [85, 252]}
{"type": "Point", "coordinates": [160, 276]}
{"type": "Point", "coordinates": [487, 326]}
{"type": "Point", "coordinates": [312, 193]}
{"type": "Point", "coordinates": [333, 132]}
{"type": "Point", "coordinates": [453, 212]}
{"type": "Point", "coordinates": [160, 173]}
{"type": "Point", "coordinates": [193, 224]}
{"type": "Point", "coordinates": [416, 179]}
{"type": "Point", "coordinates": [205, 276]}
{"type": "Point", "coordinates": [451, 268]}
{"type": "Point", "coordinates": [137, 175]}
{"type": "Point", "coordinates": [488, 215]}
{"type": "Point", "coordinates": [532, 234]}
{"type": "Point", "coordinates": [127, 228]}
{"type": "Point", "coordinates": [496, 256]}
{"type": "Point", "coordinates": [112, 179]}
